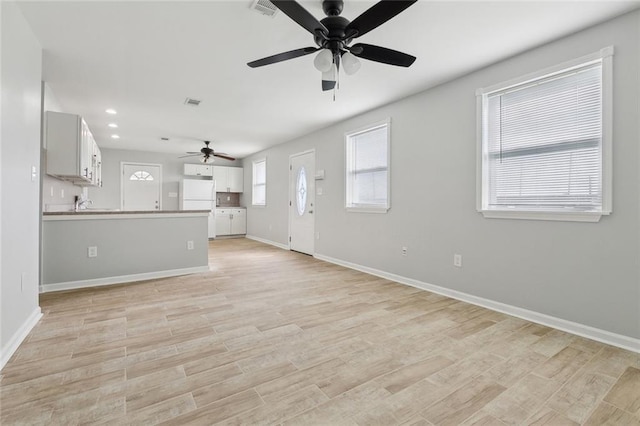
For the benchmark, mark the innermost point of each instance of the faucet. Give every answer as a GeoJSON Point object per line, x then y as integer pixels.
{"type": "Point", "coordinates": [81, 203]}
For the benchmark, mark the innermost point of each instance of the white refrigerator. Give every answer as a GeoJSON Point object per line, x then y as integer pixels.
{"type": "Point", "coordinates": [197, 194]}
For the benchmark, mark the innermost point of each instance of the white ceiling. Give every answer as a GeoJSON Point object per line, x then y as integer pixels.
{"type": "Point", "coordinates": [144, 58]}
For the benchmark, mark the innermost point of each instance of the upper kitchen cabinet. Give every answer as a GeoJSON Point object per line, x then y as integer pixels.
{"type": "Point", "coordinates": [228, 179]}
{"type": "Point", "coordinates": [198, 170]}
{"type": "Point", "coordinates": [72, 153]}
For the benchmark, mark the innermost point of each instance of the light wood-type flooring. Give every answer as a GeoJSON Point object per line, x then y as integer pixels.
{"type": "Point", "coordinates": [276, 337]}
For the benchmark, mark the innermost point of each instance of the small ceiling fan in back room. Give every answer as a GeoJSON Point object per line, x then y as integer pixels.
{"type": "Point", "coordinates": [206, 154]}
{"type": "Point", "coordinates": [334, 34]}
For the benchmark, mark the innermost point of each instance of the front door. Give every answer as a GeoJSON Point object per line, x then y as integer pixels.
{"type": "Point", "coordinates": [302, 189]}
{"type": "Point", "coordinates": [141, 185]}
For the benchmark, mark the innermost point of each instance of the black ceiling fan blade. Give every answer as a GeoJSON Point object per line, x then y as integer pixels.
{"type": "Point", "coordinates": [226, 157]}
{"type": "Point", "coordinates": [284, 56]}
{"type": "Point", "coordinates": [301, 16]}
{"type": "Point", "coordinates": [195, 154]}
{"type": "Point", "coordinates": [376, 15]}
{"type": "Point", "coordinates": [382, 54]}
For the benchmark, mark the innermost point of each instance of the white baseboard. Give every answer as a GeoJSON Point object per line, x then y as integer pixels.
{"type": "Point", "coordinates": [70, 285]}
{"type": "Point", "coordinates": [619, 340]}
{"type": "Point", "coordinates": [18, 337]}
{"type": "Point", "coordinates": [273, 243]}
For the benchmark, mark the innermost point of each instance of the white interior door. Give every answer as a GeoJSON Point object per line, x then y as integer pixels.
{"type": "Point", "coordinates": [141, 184]}
{"type": "Point", "coordinates": [302, 190]}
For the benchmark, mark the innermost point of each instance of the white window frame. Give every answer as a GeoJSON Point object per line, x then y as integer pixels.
{"type": "Point", "coordinates": [254, 184]}
{"type": "Point", "coordinates": [605, 56]}
{"type": "Point", "coordinates": [349, 204]}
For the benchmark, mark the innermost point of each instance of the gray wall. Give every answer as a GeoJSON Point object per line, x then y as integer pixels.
{"type": "Point", "coordinates": [108, 196]}
{"type": "Point", "coordinates": [19, 194]}
{"type": "Point", "coordinates": [125, 247]}
{"type": "Point", "coordinates": [583, 272]}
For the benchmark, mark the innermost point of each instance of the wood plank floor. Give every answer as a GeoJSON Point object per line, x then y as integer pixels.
{"type": "Point", "coordinates": [275, 337]}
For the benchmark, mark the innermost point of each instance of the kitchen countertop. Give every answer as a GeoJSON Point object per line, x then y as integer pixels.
{"type": "Point", "coordinates": [106, 211]}
{"type": "Point", "coordinates": [116, 214]}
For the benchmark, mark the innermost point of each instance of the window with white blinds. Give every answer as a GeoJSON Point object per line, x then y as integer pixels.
{"type": "Point", "coordinates": [543, 144]}
{"type": "Point", "coordinates": [259, 192]}
{"type": "Point", "coordinates": [367, 168]}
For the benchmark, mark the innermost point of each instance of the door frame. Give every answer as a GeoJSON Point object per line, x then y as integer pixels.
{"type": "Point", "coordinates": [136, 163]}
{"type": "Point", "coordinates": [290, 189]}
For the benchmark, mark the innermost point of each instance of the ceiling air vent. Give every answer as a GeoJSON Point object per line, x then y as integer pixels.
{"type": "Point", "coordinates": [164, 139]}
{"type": "Point", "coordinates": [265, 7]}
{"type": "Point", "coordinates": [193, 102]}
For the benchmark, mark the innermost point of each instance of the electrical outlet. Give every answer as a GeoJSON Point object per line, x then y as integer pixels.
{"type": "Point", "coordinates": [404, 251]}
{"type": "Point", "coordinates": [189, 245]}
{"type": "Point", "coordinates": [228, 197]}
{"type": "Point", "coordinates": [457, 260]}
{"type": "Point", "coordinates": [92, 251]}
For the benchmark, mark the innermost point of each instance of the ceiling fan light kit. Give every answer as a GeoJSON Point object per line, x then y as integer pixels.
{"type": "Point", "coordinates": [350, 63]}
{"type": "Point", "coordinates": [324, 60]}
{"type": "Point", "coordinates": [334, 34]}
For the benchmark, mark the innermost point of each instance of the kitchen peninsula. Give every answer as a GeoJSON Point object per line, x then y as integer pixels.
{"type": "Point", "coordinates": [99, 247]}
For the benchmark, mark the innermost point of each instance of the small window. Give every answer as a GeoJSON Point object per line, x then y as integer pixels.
{"type": "Point", "coordinates": [301, 191]}
{"type": "Point", "coordinates": [544, 143]}
{"type": "Point", "coordinates": [259, 193]}
{"type": "Point", "coordinates": [367, 169]}
{"type": "Point", "coordinates": [141, 175]}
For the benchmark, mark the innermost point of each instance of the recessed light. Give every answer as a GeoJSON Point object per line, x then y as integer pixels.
{"type": "Point", "coordinates": [111, 111]}
{"type": "Point", "coordinates": [113, 125]}
{"type": "Point", "coordinates": [115, 137]}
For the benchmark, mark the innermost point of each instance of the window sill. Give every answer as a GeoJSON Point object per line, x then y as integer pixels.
{"type": "Point", "coordinates": [546, 215]}
{"type": "Point", "coordinates": [368, 209]}
{"type": "Point", "coordinates": [259, 206]}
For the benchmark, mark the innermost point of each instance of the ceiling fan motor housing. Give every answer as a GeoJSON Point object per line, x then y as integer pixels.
{"type": "Point", "coordinates": [332, 7]}
{"type": "Point", "coordinates": [336, 39]}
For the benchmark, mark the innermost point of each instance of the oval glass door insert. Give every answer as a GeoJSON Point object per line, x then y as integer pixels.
{"type": "Point", "coordinates": [301, 191]}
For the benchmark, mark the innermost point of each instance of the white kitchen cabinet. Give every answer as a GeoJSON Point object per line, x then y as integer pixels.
{"type": "Point", "coordinates": [72, 152]}
{"type": "Point", "coordinates": [198, 170]}
{"type": "Point", "coordinates": [96, 165]}
{"type": "Point", "coordinates": [223, 222]}
{"type": "Point", "coordinates": [228, 179]}
{"type": "Point", "coordinates": [238, 221]}
{"type": "Point", "coordinates": [231, 221]}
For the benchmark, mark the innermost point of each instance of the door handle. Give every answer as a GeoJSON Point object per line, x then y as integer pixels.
{"type": "Point", "coordinates": [310, 211]}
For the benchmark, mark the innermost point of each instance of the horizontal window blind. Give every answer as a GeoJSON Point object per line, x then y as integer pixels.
{"type": "Point", "coordinates": [367, 167]}
{"type": "Point", "coordinates": [544, 143]}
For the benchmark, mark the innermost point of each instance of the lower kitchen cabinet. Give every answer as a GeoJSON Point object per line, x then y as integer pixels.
{"type": "Point", "coordinates": [231, 221]}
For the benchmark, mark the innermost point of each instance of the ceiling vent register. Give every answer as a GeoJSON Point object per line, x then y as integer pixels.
{"type": "Point", "coordinates": [192, 102]}
{"type": "Point", "coordinates": [265, 7]}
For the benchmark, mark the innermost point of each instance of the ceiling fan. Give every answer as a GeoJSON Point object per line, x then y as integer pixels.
{"type": "Point", "coordinates": [333, 35]}
{"type": "Point", "coordinates": [207, 154]}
